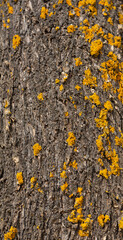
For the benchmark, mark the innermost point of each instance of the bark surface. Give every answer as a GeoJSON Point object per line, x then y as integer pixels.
{"type": "Point", "coordinates": [46, 53]}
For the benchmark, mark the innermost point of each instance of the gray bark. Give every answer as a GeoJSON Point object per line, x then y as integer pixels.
{"type": "Point", "coordinates": [31, 68]}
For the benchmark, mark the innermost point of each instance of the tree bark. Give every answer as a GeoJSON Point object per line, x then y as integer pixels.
{"type": "Point", "coordinates": [40, 210]}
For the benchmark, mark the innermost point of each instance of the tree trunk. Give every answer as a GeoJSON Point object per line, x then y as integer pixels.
{"type": "Point", "coordinates": [80, 134]}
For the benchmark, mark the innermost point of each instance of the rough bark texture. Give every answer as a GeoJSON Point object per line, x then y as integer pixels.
{"type": "Point", "coordinates": [42, 56]}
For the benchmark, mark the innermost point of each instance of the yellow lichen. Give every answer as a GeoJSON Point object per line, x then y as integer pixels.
{"type": "Point", "coordinates": [36, 149]}
{"type": "Point", "coordinates": [119, 141]}
{"type": "Point", "coordinates": [110, 20]}
{"type": "Point", "coordinates": [71, 28]}
{"type": "Point", "coordinates": [6, 104]}
{"type": "Point", "coordinates": [120, 18]}
{"type": "Point", "coordinates": [16, 41]}
{"type": "Point", "coordinates": [51, 175]}
{"type": "Point", "coordinates": [78, 61]}
{"type": "Point", "coordinates": [104, 173]}
{"type": "Point", "coordinates": [108, 105]}
{"type": "Point", "coordinates": [32, 181]}
{"type": "Point", "coordinates": [57, 28]}
{"type": "Point", "coordinates": [10, 8]}
{"type": "Point", "coordinates": [63, 174]}
{"type": "Point", "coordinates": [89, 79]}
{"type": "Point", "coordinates": [79, 190]}
{"type": "Point", "coordinates": [40, 97]}
{"type": "Point", "coordinates": [69, 2]}
{"type": "Point", "coordinates": [78, 202]}
{"type": "Point", "coordinates": [71, 139]}
{"type": "Point", "coordinates": [64, 186]}
{"type": "Point", "coordinates": [121, 223]}
{"type": "Point", "coordinates": [19, 178]}
{"type": "Point", "coordinates": [102, 219]}
{"type": "Point", "coordinates": [44, 12]}
{"type": "Point", "coordinates": [96, 47]}
{"type": "Point", "coordinates": [11, 234]}
{"type": "Point", "coordinates": [61, 87]}
{"type": "Point", "coordinates": [100, 161]}
{"type": "Point", "coordinates": [57, 80]}
{"type": "Point", "coordinates": [74, 164]}
{"type": "Point", "coordinates": [95, 99]}
{"type": "Point", "coordinates": [99, 143]}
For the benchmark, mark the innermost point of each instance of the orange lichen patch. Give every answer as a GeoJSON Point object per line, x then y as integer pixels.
{"type": "Point", "coordinates": [108, 4]}
{"type": "Point", "coordinates": [113, 156]}
{"type": "Point", "coordinates": [107, 86]}
{"type": "Point", "coordinates": [16, 41]}
{"type": "Point", "coordinates": [120, 90]}
{"type": "Point", "coordinates": [80, 114]}
{"type": "Point", "coordinates": [71, 217]}
{"type": "Point", "coordinates": [115, 169]}
{"type": "Point", "coordinates": [60, 1]}
{"type": "Point", "coordinates": [92, 10]}
{"type": "Point", "coordinates": [71, 13]}
{"type": "Point", "coordinates": [83, 234]}
{"type": "Point", "coordinates": [78, 202]}
{"type": "Point", "coordinates": [86, 98]}
{"type": "Point", "coordinates": [64, 186]}
{"type": "Point", "coordinates": [112, 68]}
{"type": "Point", "coordinates": [61, 87]}
{"type": "Point", "coordinates": [79, 190]}
{"type": "Point", "coordinates": [110, 20]}
{"type": "Point", "coordinates": [44, 12]}
{"type": "Point", "coordinates": [86, 22]}
{"type": "Point", "coordinates": [71, 139]}
{"type": "Point", "coordinates": [99, 143]}
{"type": "Point", "coordinates": [40, 97]}
{"type": "Point", "coordinates": [121, 223]}
{"type": "Point", "coordinates": [74, 164]}
{"type": "Point", "coordinates": [6, 104]}
{"type": "Point", "coordinates": [89, 80]}
{"type": "Point", "coordinates": [77, 87]}
{"type": "Point", "coordinates": [95, 99]}
{"type": "Point", "coordinates": [120, 18]}
{"type": "Point", "coordinates": [57, 28]}
{"type": "Point", "coordinates": [65, 76]}
{"type": "Point", "coordinates": [71, 28]}
{"type": "Point", "coordinates": [112, 129]}
{"type": "Point", "coordinates": [96, 47]}
{"type": "Point", "coordinates": [71, 195]}
{"type": "Point", "coordinates": [51, 175]}
{"type": "Point", "coordinates": [19, 178]}
{"type": "Point", "coordinates": [36, 149]}
{"type": "Point", "coordinates": [108, 105]}
{"type": "Point", "coordinates": [102, 122]}
{"type": "Point", "coordinates": [69, 2]}
{"type": "Point", "coordinates": [50, 14]}
{"type": "Point", "coordinates": [11, 234]}
{"type": "Point", "coordinates": [63, 174]}
{"type": "Point", "coordinates": [66, 114]}
{"type": "Point", "coordinates": [113, 40]}
{"type": "Point", "coordinates": [119, 141]}
{"type": "Point", "coordinates": [77, 11]}
{"type": "Point", "coordinates": [10, 8]}
{"type": "Point", "coordinates": [64, 166]}
{"type": "Point", "coordinates": [103, 219]}
{"type": "Point", "coordinates": [78, 61]}
{"type": "Point", "coordinates": [104, 173]}
{"type": "Point", "coordinates": [89, 32]}
{"type": "Point", "coordinates": [57, 80]}
{"type": "Point", "coordinates": [32, 181]}
{"type": "Point", "coordinates": [90, 4]}
{"type": "Point", "coordinates": [101, 162]}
